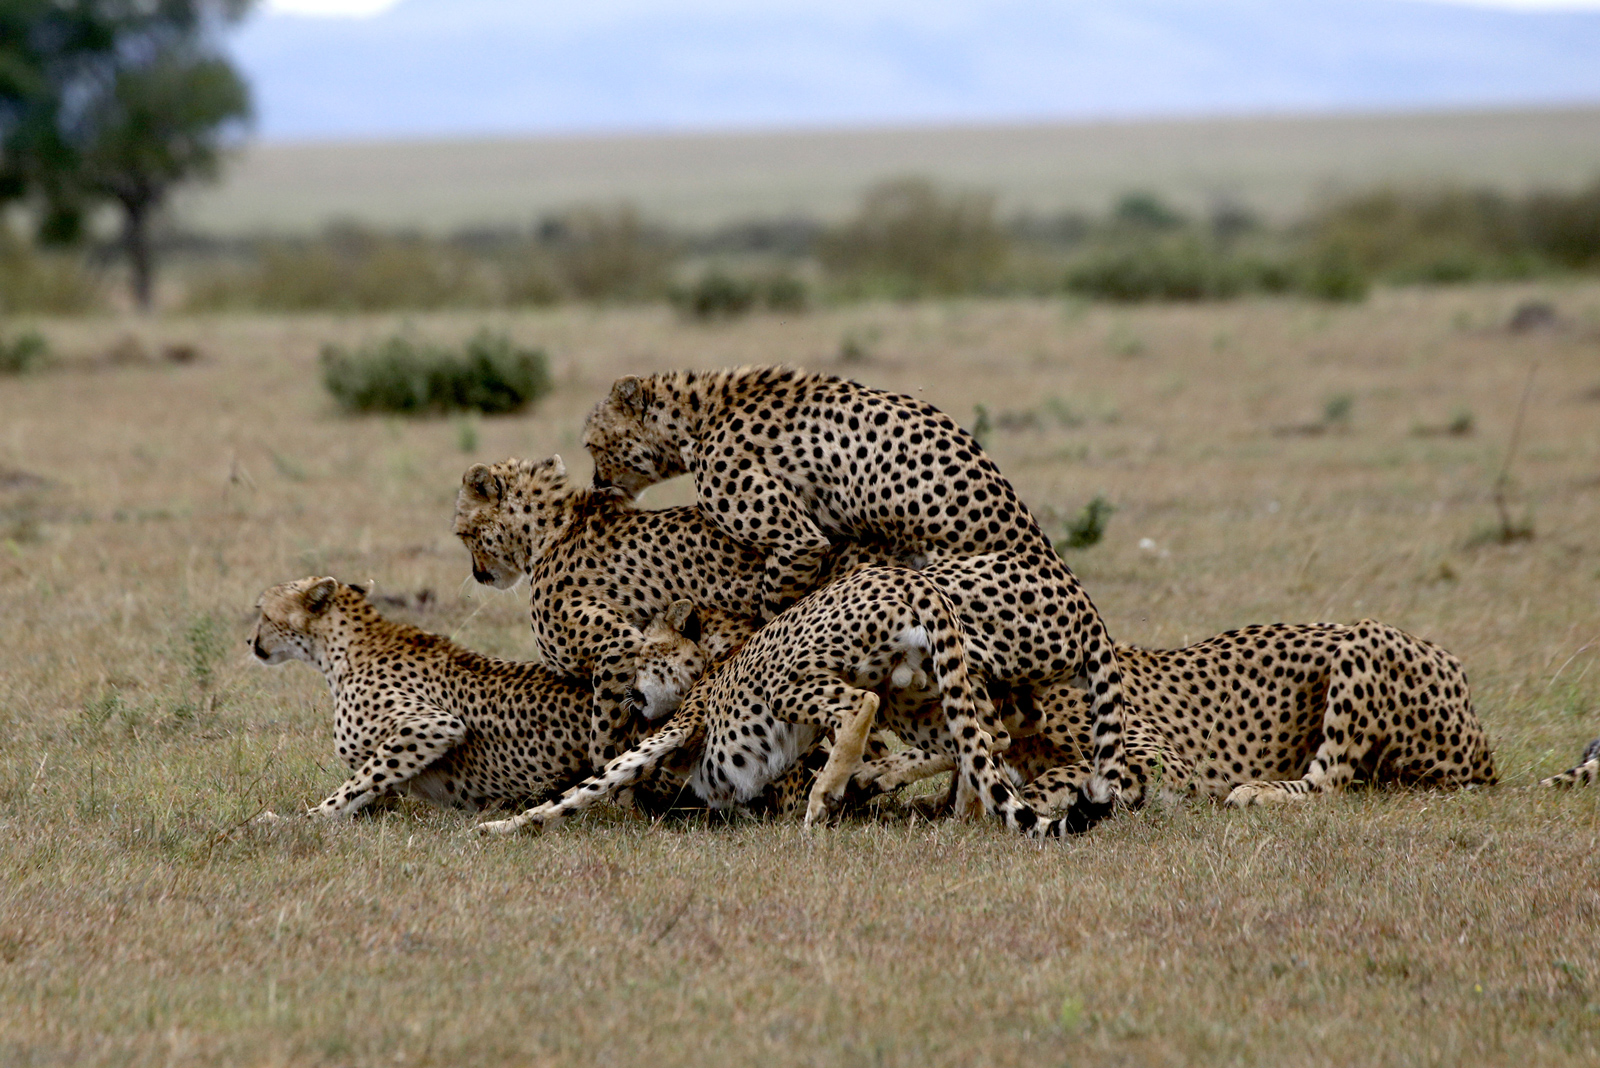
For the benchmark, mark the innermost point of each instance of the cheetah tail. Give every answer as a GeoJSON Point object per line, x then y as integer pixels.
{"type": "Point", "coordinates": [979, 774]}
{"type": "Point", "coordinates": [1586, 773]}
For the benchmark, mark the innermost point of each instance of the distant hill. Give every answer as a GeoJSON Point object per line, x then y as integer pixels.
{"type": "Point", "coordinates": [475, 67]}
{"type": "Point", "coordinates": [1272, 165]}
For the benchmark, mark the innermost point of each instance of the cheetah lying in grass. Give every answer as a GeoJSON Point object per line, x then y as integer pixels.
{"type": "Point", "coordinates": [416, 714]}
{"type": "Point", "coordinates": [1269, 713]}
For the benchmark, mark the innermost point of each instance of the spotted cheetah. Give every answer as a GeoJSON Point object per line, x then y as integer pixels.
{"type": "Point", "coordinates": [813, 670]}
{"type": "Point", "coordinates": [1585, 774]}
{"type": "Point", "coordinates": [599, 569]}
{"type": "Point", "coordinates": [1281, 712]}
{"type": "Point", "coordinates": [1234, 716]}
{"type": "Point", "coordinates": [416, 714]}
{"type": "Point", "coordinates": [788, 462]}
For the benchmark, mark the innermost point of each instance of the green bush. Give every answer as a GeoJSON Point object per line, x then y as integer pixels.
{"type": "Point", "coordinates": [1182, 269]}
{"type": "Point", "coordinates": [719, 295]}
{"type": "Point", "coordinates": [716, 295]}
{"type": "Point", "coordinates": [26, 352]}
{"type": "Point", "coordinates": [910, 239]}
{"type": "Point", "coordinates": [489, 374]}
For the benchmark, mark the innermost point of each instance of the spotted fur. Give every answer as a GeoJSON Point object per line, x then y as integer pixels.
{"type": "Point", "coordinates": [599, 569]}
{"type": "Point", "coordinates": [789, 462]}
{"type": "Point", "coordinates": [1586, 773]}
{"type": "Point", "coordinates": [416, 714]}
{"type": "Point", "coordinates": [1281, 712]}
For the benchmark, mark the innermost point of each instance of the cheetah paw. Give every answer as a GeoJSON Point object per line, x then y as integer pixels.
{"type": "Point", "coordinates": [270, 818]}
{"type": "Point", "coordinates": [1254, 793]}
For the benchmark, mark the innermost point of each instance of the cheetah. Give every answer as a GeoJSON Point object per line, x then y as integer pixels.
{"type": "Point", "coordinates": [1230, 717]}
{"type": "Point", "coordinates": [599, 569]}
{"type": "Point", "coordinates": [1280, 713]}
{"type": "Point", "coordinates": [816, 669]}
{"type": "Point", "coordinates": [416, 714]}
{"type": "Point", "coordinates": [1585, 774]}
{"type": "Point", "coordinates": [789, 462]}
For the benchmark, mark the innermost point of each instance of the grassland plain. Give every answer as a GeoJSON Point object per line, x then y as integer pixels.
{"type": "Point", "coordinates": [1268, 460]}
{"type": "Point", "coordinates": [1278, 166]}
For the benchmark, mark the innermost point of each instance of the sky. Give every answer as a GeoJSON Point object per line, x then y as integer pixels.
{"type": "Point", "coordinates": [381, 69]}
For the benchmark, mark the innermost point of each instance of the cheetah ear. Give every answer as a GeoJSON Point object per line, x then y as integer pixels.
{"type": "Point", "coordinates": [558, 465]}
{"type": "Point", "coordinates": [482, 483]}
{"type": "Point", "coordinates": [628, 393]}
{"type": "Point", "coordinates": [320, 595]}
{"type": "Point", "coordinates": [682, 617]}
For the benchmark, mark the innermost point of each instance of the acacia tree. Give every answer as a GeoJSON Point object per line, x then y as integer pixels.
{"type": "Point", "coordinates": [114, 101]}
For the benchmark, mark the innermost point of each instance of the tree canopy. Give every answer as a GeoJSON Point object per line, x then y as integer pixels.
{"type": "Point", "coordinates": [113, 102]}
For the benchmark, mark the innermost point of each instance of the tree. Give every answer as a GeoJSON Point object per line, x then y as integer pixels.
{"type": "Point", "coordinates": [113, 101]}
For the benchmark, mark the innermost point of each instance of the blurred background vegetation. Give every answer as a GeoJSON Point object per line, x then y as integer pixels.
{"type": "Point", "coordinates": [909, 238]}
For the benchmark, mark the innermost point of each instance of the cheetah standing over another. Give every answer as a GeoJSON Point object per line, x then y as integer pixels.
{"type": "Point", "coordinates": [812, 670]}
{"type": "Point", "coordinates": [414, 713]}
{"type": "Point", "coordinates": [786, 462]}
{"type": "Point", "coordinates": [599, 570]}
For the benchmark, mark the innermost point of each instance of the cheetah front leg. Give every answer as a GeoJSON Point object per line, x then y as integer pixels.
{"type": "Point", "coordinates": [849, 742]}
{"type": "Point", "coordinates": [680, 732]}
{"type": "Point", "coordinates": [416, 740]}
{"type": "Point", "coordinates": [1333, 766]}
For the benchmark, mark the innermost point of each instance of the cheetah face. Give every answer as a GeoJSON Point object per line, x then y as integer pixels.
{"type": "Point", "coordinates": [287, 617]}
{"type": "Point", "coordinates": [503, 513]}
{"type": "Point", "coordinates": [628, 453]}
{"type": "Point", "coordinates": [670, 661]}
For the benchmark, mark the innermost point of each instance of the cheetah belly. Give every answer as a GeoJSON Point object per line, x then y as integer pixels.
{"type": "Point", "coordinates": [764, 759]}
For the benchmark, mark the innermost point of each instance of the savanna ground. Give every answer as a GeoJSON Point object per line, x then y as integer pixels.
{"type": "Point", "coordinates": [1268, 461]}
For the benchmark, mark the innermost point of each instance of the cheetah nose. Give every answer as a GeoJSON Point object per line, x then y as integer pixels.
{"type": "Point", "coordinates": [483, 577]}
{"type": "Point", "coordinates": [601, 482]}
{"type": "Point", "coordinates": [636, 698]}
{"type": "Point", "coordinates": [260, 650]}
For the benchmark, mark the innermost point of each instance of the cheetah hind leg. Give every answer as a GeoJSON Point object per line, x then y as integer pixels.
{"type": "Point", "coordinates": [849, 742]}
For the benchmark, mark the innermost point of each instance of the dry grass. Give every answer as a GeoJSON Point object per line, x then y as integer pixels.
{"type": "Point", "coordinates": [143, 922]}
{"type": "Point", "coordinates": [1272, 165]}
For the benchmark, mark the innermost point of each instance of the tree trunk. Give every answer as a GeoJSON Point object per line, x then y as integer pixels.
{"type": "Point", "coordinates": [136, 242]}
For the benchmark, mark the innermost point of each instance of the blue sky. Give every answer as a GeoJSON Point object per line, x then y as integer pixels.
{"type": "Point", "coordinates": [381, 69]}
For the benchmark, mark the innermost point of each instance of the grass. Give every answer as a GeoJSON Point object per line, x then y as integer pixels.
{"type": "Point", "coordinates": [1275, 165]}
{"type": "Point", "coordinates": [144, 921]}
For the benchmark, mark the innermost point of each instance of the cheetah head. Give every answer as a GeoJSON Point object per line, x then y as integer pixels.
{"type": "Point", "coordinates": [506, 512]}
{"type": "Point", "coordinates": [670, 661]}
{"type": "Point", "coordinates": [623, 435]}
{"type": "Point", "coordinates": [292, 618]}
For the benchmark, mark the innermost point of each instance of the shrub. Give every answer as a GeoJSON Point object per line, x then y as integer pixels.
{"type": "Point", "coordinates": [1181, 269]}
{"type": "Point", "coordinates": [1089, 526]}
{"type": "Point", "coordinates": [607, 253]}
{"type": "Point", "coordinates": [50, 283]}
{"type": "Point", "coordinates": [718, 295]}
{"type": "Point", "coordinates": [350, 269]}
{"type": "Point", "coordinates": [489, 375]}
{"type": "Point", "coordinates": [910, 239]}
{"type": "Point", "coordinates": [27, 352]}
